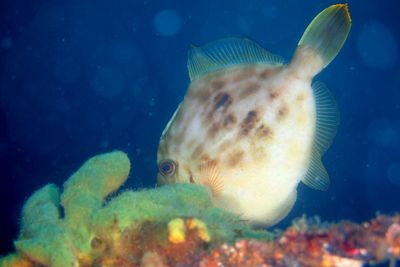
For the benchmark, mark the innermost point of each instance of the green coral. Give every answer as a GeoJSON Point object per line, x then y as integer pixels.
{"type": "Point", "coordinates": [76, 238]}
{"type": "Point", "coordinates": [53, 241]}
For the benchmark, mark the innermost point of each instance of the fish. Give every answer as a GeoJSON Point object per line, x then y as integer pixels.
{"type": "Point", "coordinates": [252, 127]}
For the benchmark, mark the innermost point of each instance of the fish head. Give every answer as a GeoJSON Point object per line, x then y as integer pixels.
{"type": "Point", "coordinates": [174, 163]}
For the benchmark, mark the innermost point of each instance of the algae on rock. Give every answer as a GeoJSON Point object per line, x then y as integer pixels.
{"type": "Point", "coordinates": [90, 226]}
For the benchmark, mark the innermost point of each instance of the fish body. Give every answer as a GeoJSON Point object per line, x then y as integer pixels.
{"type": "Point", "coordinates": [250, 127]}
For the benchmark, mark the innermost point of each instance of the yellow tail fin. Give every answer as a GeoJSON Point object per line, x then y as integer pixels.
{"type": "Point", "coordinates": [327, 32]}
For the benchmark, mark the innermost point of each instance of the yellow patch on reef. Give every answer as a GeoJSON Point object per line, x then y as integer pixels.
{"type": "Point", "coordinates": [176, 231]}
{"type": "Point", "coordinates": [201, 229]}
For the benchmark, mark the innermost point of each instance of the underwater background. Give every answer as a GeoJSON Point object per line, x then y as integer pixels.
{"type": "Point", "coordinates": [79, 78]}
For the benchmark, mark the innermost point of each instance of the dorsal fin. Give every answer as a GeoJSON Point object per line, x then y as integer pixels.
{"type": "Point", "coordinates": [225, 53]}
{"type": "Point", "coordinates": [327, 124]}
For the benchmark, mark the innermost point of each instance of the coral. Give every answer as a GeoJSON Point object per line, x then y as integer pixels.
{"type": "Point", "coordinates": [50, 240]}
{"type": "Point", "coordinates": [93, 228]}
{"type": "Point", "coordinates": [308, 244]}
{"type": "Point", "coordinates": [177, 225]}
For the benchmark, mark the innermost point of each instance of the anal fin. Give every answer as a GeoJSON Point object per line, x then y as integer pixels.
{"type": "Point", "coordinates": [317, 177]}
{"type": "Point", "coordinates": [327, 123]}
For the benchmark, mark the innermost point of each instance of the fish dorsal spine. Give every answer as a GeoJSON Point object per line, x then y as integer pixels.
{"type": "Point", "coordinates": [226, 53]}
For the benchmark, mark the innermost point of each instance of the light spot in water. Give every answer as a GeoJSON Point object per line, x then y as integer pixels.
{"type": "Point", "coordinates": [377, 45]}
{"type": "Point", "coordinates": [152, 102]}
{"type": "Point", "coordinates": [167, 22]}
{"type": "Point", "coordinates": [393, 173]}
{"type": "Point", "coordinates": [108, 82]}
{"type": "Point", "coordinates": [104, 143]}
{"type": "Point", "coordinates": [6, 42]}
{"type": "Point", "coordinates": [383, 132]}
{"type": "Point", "coordinates": [125, 52]}
{"type": "Point", "coordinates": [270, 10]}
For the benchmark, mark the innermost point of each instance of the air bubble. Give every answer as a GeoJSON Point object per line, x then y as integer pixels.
{"type": "Point", "coordinates": [167, 22]}
{"type": "Point", "coordinates": [377, 45]}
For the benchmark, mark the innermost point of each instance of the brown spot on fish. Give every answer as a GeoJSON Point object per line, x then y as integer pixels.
{"type": "Point", "coordinates": [224, 146]}
{"type": "Point", "coordinates": [235, 158]}
{"type": "Point", "coordinates": [204, 95]}
{"type": "Point", "coordinates": [243, 74]}
{"type": "Point", "coordinates": [283, 112]}
{"type": "Point", "coordinates": [263, 131]}
{"type": "Point", "coordinates": [205, 158]}
{"type": "Point", "coordinates": [269, 72]}
{"type": "Point", "coordinates": [249, 122]}
{"type": "Point", "coordinates": [208, 118]}
{"type": "Point", "coordinates": [222, 101]}
{"type": "Point", "coordinates": [265, 74]}
{"type": "Point", "coordinates": [213, 130]}
{"type": "Point", "coordinates": [229, 121]}
{"type": "Point", "coordinates": [218, 84]}
{"type": "Point", "coordinates": [199, 93]}
{"type": "Point", "coordinates": [249, 89]}
{"type": "Point", "coordinates": [300, 97]}
{"type": "Point", "coordinates": [197, 151]}
{"type": "Point", "coordinates": [273, 95]}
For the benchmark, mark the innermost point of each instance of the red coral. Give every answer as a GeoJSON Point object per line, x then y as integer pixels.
{"type": "Point", "coordinates": [344, 244]}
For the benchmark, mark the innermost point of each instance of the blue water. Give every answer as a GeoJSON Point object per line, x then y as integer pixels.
{"type": "Point", "coordinates": [80, 77]}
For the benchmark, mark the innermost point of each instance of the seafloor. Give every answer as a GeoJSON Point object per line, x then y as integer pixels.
{"type": "Point", "coordinates": [177, 225]}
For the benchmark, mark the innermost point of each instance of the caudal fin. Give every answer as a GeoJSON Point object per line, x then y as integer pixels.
{"type": "Point", "coordinates": [324, 37]}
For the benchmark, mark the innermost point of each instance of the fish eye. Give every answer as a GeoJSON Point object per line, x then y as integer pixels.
{"type": "Point", "coordinates": [167, 167]}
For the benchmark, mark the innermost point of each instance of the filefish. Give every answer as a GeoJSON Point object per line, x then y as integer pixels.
{"type": "Point", "coordinates": [250, 127]}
